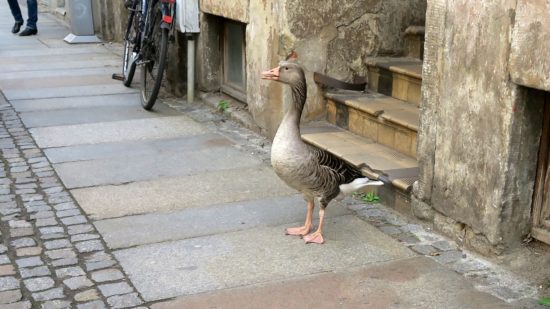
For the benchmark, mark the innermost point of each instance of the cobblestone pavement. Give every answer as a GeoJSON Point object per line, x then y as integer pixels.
{"type": "Point", "coordinates": [50, 256]}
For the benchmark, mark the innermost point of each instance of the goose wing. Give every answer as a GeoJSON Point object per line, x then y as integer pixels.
{"type": "Point", "coordinates": [340, 169]}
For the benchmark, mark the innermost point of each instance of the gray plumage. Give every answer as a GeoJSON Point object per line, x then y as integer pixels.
{"type": "Point", "coordinates": [312, 171]}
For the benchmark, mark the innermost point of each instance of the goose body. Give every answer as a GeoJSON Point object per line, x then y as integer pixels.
{"type": "Point", "coordinates": [312, 171]}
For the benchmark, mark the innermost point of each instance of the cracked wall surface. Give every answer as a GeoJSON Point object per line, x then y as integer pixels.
{"type": "Point", "coordinates": [333, 37]}
{"type": "Point", "coordinates": [479, 131]}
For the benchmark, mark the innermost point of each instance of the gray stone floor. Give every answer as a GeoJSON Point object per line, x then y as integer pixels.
{"type": "Point", "coordinates": [103, 204]}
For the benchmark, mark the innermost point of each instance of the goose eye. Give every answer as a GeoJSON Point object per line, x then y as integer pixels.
{"type": "Point", "coordinates": [286, 68]}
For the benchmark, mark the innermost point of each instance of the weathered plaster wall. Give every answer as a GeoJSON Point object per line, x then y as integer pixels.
{"type": "Point", "coordinates": [176, 69]}
{"type": "Point", "coordinates": [234, 9]}
{"type": "Point", "coordinates": [333, 37]}
{"type": "Point", "coordinates": [479, 134]}
{"type": "Point", "coordinates": [208, 55]}
{"type": "Point", "coordinates": [262, 53]}
{"type": "Point", "coordinates": [530, 58]}
{"type": "Point", "coordinates": [112, 20]}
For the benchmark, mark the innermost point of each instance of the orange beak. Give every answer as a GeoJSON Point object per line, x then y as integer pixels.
{"type": "Point", "coordinates": [272, 74]}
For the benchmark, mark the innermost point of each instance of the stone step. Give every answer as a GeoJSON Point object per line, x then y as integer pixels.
{"type": "Point", "coordinates": [414, 42]}
{"type": "Point", "coordinates": [371, 158]}
{"type": "Point", "coordinates": [380, 118]}
{"type": "Point", "coordinates": [400, 78]}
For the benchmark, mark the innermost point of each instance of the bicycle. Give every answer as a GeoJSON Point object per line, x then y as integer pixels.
{"type": "Point", "coordinates": [146, 45]}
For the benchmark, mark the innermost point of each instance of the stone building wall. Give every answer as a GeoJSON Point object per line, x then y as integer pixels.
{"type": "Point", "coordinates": [333, 37]}
{"type": "Point", "coordinates": [480, 131]}
{"type": "Point", "coordinates": [110, 22]}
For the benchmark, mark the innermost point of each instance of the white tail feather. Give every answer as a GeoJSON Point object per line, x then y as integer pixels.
{"type": "Point", "coordinates": [356, 185]}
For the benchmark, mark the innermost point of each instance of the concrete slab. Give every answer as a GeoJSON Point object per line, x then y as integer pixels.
{"type": "Point", "coordinates": [55, 73]}
{"type": "Point", "coordinates": [108, 132]}
{"type": "Point", "coordinates": [410, 283]}
{"type": "Point", "coordinates": [253, 256]}
{"type": "Point", "coordinates": [119, 170]}
{"type": "Point", "coordinates": [132, 231]}
{"type": "Point", "coordinates": [63, 66]}
{"type": "Point", "coordinates": [63, 92]}
{"type": "Point", "coordinates": [69, 50]}
{"type": "Point", "coordinates": [176, 193]}
{"type": "Point", "coordinates": [92, 114]}
{"type": "Point", "coordinates": [139, 148]}
{"type": "Point", "coordinates": [99, 101]}
{"type": "Point", "coordinates": [58, 82]}
{"type": "Point", "coordinates": [38, 61]}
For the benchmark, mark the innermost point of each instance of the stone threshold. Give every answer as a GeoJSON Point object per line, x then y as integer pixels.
{"type": "Point", "coordinates": [385, 108]}
{"type": "Point", "coordinates": [372, 159]}
{"type": "Point", "coordinates": [410, 67]}
{"type": "Point", "coordinates": [400, 78]}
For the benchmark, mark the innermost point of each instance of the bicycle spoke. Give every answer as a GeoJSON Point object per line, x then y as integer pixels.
{"type": "Point", "coordinates": [154, 52]}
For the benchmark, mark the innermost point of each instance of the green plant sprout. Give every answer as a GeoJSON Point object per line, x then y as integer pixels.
{"type": "Point", "coordinates": [223, 105]}
{"type": "Point", "coordinates": [370, 197]}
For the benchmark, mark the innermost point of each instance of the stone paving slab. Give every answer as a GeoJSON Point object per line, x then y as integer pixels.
{"type": "Point", "coordinates": [139, 148]}
{"type": "Point", "coordinates": [62, 66]}
{"type": "Point", "coordinates": [63, 92]}
{"type": "Point", "coordinates": [92, 114]}
{"type": "Point", "coordinates": [10, 40]}
{"type": "Point", "coordinates": [202, 221]}
{"type": "Point", "coordinates": [99, 102]}
{"type": "Point", "coordinates": [125, 169]}
{"type": "Point", "coordinates": [107, 132]}
{"type": "Point", "coordinates": [167, 194]}
{"type": "Point", "coordinates": [37, 62]}
{"type": "Point", "coordinates": [58, 81]}
{"type": "Point", "coordinates": [69, 50]}
{"type": "Point", "coordinates": [253, 256]}
{"type": "Point", "coordinates": [380, 285]}
{"type": "Point", "coordinates": [6, 76]}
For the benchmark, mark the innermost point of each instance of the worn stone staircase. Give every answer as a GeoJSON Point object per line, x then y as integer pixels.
{"type": "Point", "coordinates": [376, 130]}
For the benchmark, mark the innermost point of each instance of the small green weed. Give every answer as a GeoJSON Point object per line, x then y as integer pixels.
{"type": "Point", "coordinates": [223, 105]}
{"type": "Point", "coordinates": [370, 197]}
{"type": "Point", "coordinates": [545, 301]}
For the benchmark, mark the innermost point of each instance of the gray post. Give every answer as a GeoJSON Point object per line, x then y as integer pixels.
{"type": "Point", "coordinates": [82, 24]}
{"type": "Point", "coordinates": [190, 68]}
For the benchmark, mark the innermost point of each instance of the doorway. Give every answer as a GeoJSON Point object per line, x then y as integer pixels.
{"type": "Point", "coordinates": [541, 200]}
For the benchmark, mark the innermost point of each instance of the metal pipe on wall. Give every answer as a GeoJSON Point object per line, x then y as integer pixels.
{"type": "Point", "coordinates": [190, 68]}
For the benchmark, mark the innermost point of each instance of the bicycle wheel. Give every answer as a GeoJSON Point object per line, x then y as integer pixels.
{"type": "Point", "coordinates": [130, 39]}
{"type": "Point", "coordinates": [154, 52]}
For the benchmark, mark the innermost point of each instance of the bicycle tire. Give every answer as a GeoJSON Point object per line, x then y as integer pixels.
{"type": "Point", "coordinates": [154, 60]}
{"type": "Point", "coordinates": [130, 39]}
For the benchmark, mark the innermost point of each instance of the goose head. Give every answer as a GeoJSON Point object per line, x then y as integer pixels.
{"type": "Point", "coordinates": [287, 72]}
{"type": "Point", "coordinates": [293, 75]}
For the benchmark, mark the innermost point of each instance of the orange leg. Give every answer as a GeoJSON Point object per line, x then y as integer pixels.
{"type": "Point", "coordinates": [303, 230]}
{"type": "Point", "coordinates": [317, 236]}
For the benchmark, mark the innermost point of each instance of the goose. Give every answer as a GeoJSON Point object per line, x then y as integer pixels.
{"type": "Point", "coordinates": [315, 173]}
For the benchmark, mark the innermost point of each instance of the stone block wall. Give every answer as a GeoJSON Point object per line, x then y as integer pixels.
{"type": "Point", "coordinates": [479, 131]}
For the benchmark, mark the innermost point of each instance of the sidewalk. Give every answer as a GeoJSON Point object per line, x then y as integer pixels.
{"type": "Point", "coordinates": [103, 204]}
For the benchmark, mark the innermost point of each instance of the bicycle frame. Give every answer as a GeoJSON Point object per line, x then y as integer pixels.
{"type": "Point", "coordinates": [168, 8]}
{"type": "Point", "coordinates": [150, 28]}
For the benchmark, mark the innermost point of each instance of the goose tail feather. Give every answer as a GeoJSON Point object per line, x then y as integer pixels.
{"type": "Point", "coordinates": [356, 185]}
